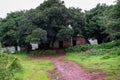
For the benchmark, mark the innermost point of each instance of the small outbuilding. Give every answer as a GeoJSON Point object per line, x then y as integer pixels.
{"type": "Point", "coordinates": [71, 42]}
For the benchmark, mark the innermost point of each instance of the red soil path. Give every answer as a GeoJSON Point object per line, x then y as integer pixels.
{"type": "Point", "coordinates": [71, 71]}
{"type": "Point", "coordinates": [68, 70]}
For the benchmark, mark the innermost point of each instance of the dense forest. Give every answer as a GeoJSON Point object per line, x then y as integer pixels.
{"type": "Point", "coordinates": [51, 21]}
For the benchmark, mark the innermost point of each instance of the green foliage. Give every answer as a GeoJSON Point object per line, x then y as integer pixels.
{"type": "Point", "coordinates": [52, 17]}
{"type": "Point", "coordinates": [35, 25]}
{"type": "Point", "coordinates": [37, 36]}
{"type": "Point", "coordinates": [9, 28]}
{"type": "Point", "coordinates": [93, 27]}
{"type": "Point", "coordinates": [0, 48]}
{"type": "Point", "coordinates": [8, 66]}
{"type": "Point", "coordinates": [65, 33]}
{"type": "Point", "coordinates": [97, 52]}
{"type": "Point", "coordinates": [79, 48]}
{"type": "Point", "coordinates": [90, 47]}
{"type": "Point", "coordinates": [111, 21]}
{"type": "Point", "coordinates": [25, 28]}
{"type": "Point", "coordinates": [4, 72]}
{"type": "Point", "coordinates": [32, 68]}
{"type": "Point", "coordinates": [109, 45]}
{"type": "Point", "coordinates": [50, 21]}
{"type": "Point", "coordinates": [7, 51]}
{"type": "Point", "coordinates": [43, 52]}
{"type": "Point", "coordinates": [105, 56]}
{"type": "Point", "coordinates": [77, 20]}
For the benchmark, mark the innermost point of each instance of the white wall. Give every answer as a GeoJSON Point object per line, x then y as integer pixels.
{"type": "Point", "coordinates": [12, 48]}
{"type": "Point", "coordinates": [93, 41]}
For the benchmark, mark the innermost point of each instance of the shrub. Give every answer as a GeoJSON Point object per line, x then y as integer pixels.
{"type": "Point", "coordinates": [96, 51]}
{"type": "Point", "coordinates": [79, 48]}
{"type": "Point", "coordinates": [43, 52]}
{"type": "Point", "coordinates": [8, 65]}
{"type": "Point", "coordinates": [95, 46]}
{"type": "Point", "coordinates": [6, 74]}
{"type": "Point", "coordinates": [109, 45]}
{"type": "Point", "coordinates": [115, 51]}
{"type": "Point", "coordinates": [7, 51]}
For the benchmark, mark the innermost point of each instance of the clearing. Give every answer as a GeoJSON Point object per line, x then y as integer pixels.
{"type": "Point", "coordinates": [33, 69]}
{"type": "Point", "coordinates": [67, 70]}
{"type": "Point", "coordinates": [54, 68]}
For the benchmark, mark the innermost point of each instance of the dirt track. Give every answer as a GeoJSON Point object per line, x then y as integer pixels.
{"type": "Point", "coordinates": [68, 70]}
{"type": "Point", "coordinates": [71, 71]}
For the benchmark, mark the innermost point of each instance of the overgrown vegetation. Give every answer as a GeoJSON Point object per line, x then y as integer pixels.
{"type": "Point", "coordinates": [20, 67]}
{"type": "Point", "coordinates": [108, 45]}
{"type": "Point", "coordinates": [43, 52]}
{"type": "Point", "coordinates": [52, 21]}
{"type": "Point", "coordinates": [105, 56]}
{"type": "Point", "coordinates": [9, 65]}
{"type": "Point", "coordinates": [33, 69]}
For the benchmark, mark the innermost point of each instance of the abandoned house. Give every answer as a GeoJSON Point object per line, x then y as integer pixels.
{"type": "Point", "coordinates": [68, 43]}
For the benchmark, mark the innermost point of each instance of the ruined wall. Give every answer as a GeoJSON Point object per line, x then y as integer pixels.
{"type": "Point", "coordinates": [66, 43]}
{"type": "Point", "coordinates": [69, 43]}
{"type": "Point", "coordinates": [80, 40]}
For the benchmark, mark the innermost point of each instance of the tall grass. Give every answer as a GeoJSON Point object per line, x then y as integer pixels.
{"type": "Point", "coordinates": [33, 69]}
{"type": "Point", "coordinates": [95, 46]}
{"type": "Point", "coordinates": [43, 52]}
{"type": "Point", "coordinates": [105, 56]}
{"type": "Point", "coordinates": [8, 66]}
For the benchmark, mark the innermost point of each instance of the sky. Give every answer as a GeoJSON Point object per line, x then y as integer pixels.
{"type": "Point", "coordinates": [7, 6]}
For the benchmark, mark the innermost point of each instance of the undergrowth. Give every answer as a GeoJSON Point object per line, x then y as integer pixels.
{"type": "Point", "coordinates": [43, 52]}
{"type": "Point", "coordinates": [8, 66]}
{"type": "Point", "coordinates": [104, 56]}
{"type": "Point", "coordinates": [33, 69]}
{"type": "Point", "coordinates": [94, 46]}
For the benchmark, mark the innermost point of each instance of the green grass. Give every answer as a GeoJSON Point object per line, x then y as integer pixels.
{"type": "Point", "coordinates": [105, 59]}
{"type": "Point", "coordinates": [108, 45]}
{"type": "Point", "coordinates": [33, 69]}
{"type": "Point", "coordinates": [8, 66]}
{"type": "Point", "coordinates": [43, 52]}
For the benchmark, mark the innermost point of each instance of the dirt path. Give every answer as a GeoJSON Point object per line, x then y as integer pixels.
{"type": "Point", "coordinates": [69, 70]}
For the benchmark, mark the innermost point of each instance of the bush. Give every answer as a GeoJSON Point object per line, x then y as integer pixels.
{"type": "Point", "coordinates": [115, 51]}
{"type": "Point", "coordinates": [109, 45]}
{"type": "Point", "coordinates": [6, 74]}
{"type": "Point", "coordinates": [43, 52]}
{"type": "Point", "coordinates": [8, 65]}
{"type": "Point", "coordinates": [7, 51]}
{"type": "Point", "coordinates": [79, 48]}
{"type": "Point", "coordinates": [96, 51]}
{"type": "Point", "coordinates": [95, 46]}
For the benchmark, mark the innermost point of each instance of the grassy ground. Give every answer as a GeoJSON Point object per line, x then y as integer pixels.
{"type": "Point", "coordinates": [105, 59]}
{"type": "Point", "coordinates": [33, 69]}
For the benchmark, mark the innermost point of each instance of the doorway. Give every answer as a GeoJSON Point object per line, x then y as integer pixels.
{"type": "Point", "coordinates": [60, 44]}
{"type": "Point", "coordinates": [74, 42]}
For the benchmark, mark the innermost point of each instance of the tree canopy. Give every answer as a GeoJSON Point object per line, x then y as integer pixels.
{"type": "Point", "coordinates": [50, 20]}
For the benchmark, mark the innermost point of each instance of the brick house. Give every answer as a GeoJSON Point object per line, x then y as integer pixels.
{"type": "Point", "coordinates": [68, 43]}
